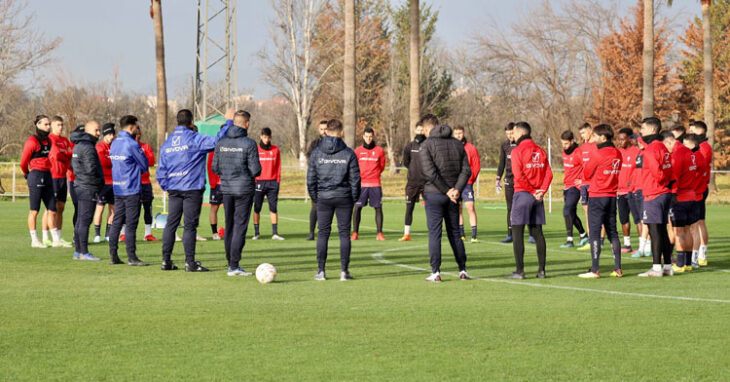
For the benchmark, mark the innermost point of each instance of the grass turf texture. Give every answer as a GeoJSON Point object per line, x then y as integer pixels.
{"type": "Point", "coordinates": [77, 320]}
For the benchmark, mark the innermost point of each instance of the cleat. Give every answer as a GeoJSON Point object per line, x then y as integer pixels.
{"type": "Point", "coordinates": [106, 239]}
{"type": "Point", "coordinates": [122, 237]}
{"type": "Point", "coordinates": [617, 273]}
{"type": "Point", "coordinates": [702, 262]}
{"type": "Point", "coordinates": [568, 244]}
{"type": "Point", "coordinates": [97, 239]}
{"type": "Point", "coordinates": [216, 237]}
{"type": "Point", "coordinates": [688, 268]}
{"type": "Point", "coordinates": [60, 244]}
{"type": "Point", "coordinates": [320, 276]}
{"type": "Point", "coordinates": [590, 275]}
{"type": "Point", "coordinates": [380, 237]}
{"type": "Point", "coordinates": [531, 240]}
{"type": "Point", "coordinates": [434, 278]}
{"type": "Point", "coordinates": [474, 240]}
{"type": "Point", "coordinates": [47, 242]}
{"type": "Point", "coordinates": [651, 273]}
{"type": "Point", "coordinates": [586, 247]}
{"type": "Point", "coordinates": [541, 275]}
{"type": "Point", "coordinates": [310, 237]}
{"type": "Point", "coordinates": [151, 237]}
{"type": "Point", "coordinates": [200, 238]}
{"type": "Point", "coordinates": [37, 244]}
{"type": "Point", "coordinates": [637, 254]}
{"type": "Point", "coordinates": [405, 238]}
{"type": "Point", "coordinates": [464, 276]}
{"type": "Point", "coordinates": [354, 236]}
{"type": "Point", "coordinates": [88, 257]}
{"type": "Point", "coordinates": [668, 272]}
{"type": "Point", "coordinates": [256, 237]}
{"type": "Point", "coordinates": [648, 254]}
{"type": "Point", "coordinates": [221, 232]}
{"type": "Point", "coordinates": [277, 237]}
{"type": "Point", "coordinates": [195, 267]}
{"type": "Point", "coordinates": [238, 272]}
{"type": "Point", "coordinates": [583, 241]}
{"type": "Point", "coordinates": [626, 249]}
{"type": "Point", "coordinates": [114, 260]}
{"type": "Point", "coordinates": [677, 269]}
{"type": "Point", "coordinates": [67, 243]}
{"type": "Point", "coordinates": [77, 256]}
{"type": "Point", "coordinates": [506, 240]}
{"type": "Point", "coordinates": [137, 263]}
{"type": "Point", "coordinates": [345, 276]}
{"type": "Point", "coordinates": [516, 276]}
{"type": "Point", "coordinates": [168, 266]}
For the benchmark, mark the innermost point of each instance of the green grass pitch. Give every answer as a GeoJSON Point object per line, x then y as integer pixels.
{"type": "Point", "coordinates": [76, 320]}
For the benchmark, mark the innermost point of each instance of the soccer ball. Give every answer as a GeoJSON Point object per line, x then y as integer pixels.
{"type": "Point", "coordinates": [265, 273]}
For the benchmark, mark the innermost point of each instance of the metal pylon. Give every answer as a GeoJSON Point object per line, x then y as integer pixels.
{"type": "Point", "coordinates": [215, 87]}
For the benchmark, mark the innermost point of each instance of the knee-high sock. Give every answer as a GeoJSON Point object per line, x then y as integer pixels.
{"type": "Point", "coordinates": [537, 234]}
{"type": "Point", "coordinates": [379, 219]}
{"type": "Point", "coordinates": [518, 245]}
{"type": "Point", "coordinates": [356, 219]}
{"type": "Point", "coordinates": [312, 218]}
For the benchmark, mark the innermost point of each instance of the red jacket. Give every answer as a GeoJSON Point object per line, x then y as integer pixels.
{"type": "Point", "coordinates": [35, 155]}
{"type": "Point", "coordinates": [147, 149]}
{"type": "Point", "coordinates": [684, 173]}
{"type": "Point", "coordinates": [657, 170]}
{"type": "Point", "coordinates": [703, 174]}
{"type": "Point", "coordinates": [706, 151]}
{"type": "Point", "coordinates": [372, 164]}
{"type": "Point", "coordinates": [586, 150]}
{"type": "Point", "coordinates": [473, 155]}
{"type": "Point", "coordinates": [530, 167]}
{"type": "Point", "coordinates": [573, 167]}
{"type": "Point", "coordinates": [213, 178]}
{"type": "Point", "coordinates": [69, 172]}
{"type": "Point", "coordinates": [270, 164]}
{"type": "Point", "coordinates": [628, 165]}
{"type": "Point", "coordinates": [102, 148]}
{"type": "Point", "coordinates": [60, 156]}
{"type": "Point", "coordinates": [603, 170]}
{"type": "Point", "coordinates": [637, 176]}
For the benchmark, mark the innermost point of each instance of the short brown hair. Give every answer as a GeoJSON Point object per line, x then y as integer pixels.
{"type": "Point", "coordinates": [56, 118]}
{"type": "Point", "coordinates": [334, 126]}
{"type": "Point", "coordinates": [459, 127]}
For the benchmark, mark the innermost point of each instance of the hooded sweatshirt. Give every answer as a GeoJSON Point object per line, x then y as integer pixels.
{"type": "Point", "coordinates": [333, 171]}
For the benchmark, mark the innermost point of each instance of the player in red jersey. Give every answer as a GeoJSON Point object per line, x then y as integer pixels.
{"type": "Point", "coordinates": [146, 194]}
{"type": "Point", "coordinates": [267, 184]}
{"type": "Point", "coordinates": [586, 149]}
{"type": "Point", "coordinates": [467, 196]}
{"type": "Point", "coordinates": [700, 128]}
{"type": "Point", "coordinates": [106, 195]}
{"type": "Point", "coordinates": [692, 141]}
{"type": "Point", "coordinates": [60, 159]}
{"type": "Point", "coordinates": [371, 159]}
{"type": "Point", "coordinates": [629, 152]}
{"type": "Point", "coordinates": [573, 170]}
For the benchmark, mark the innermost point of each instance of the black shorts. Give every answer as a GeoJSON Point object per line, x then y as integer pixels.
{"type": "Point", "coordinates": [145, 193]}
{"type": "Point", "coordinates": [40, 188]}
{"type": "Point", "coordinates": [370, 195]}
{"type": "Point", "coordinates": [656, 211]}
{"type": "Point", "coordinates": [269, 189]}
{"type": "Point", "coordinates": [584, 195]}
{"type": "Point", "coordinates": [60, 189]}
{"type": "Point", "coordinates": [624, 209]}
{"type": "Point", "coordinates": [216, 196]}
{"type": "Point", "coordinates": [468, 194]}
{"type": "Point", "coordinates": [682, 214]}
{"type": "Point", "coordinates": [636, 204]}
{"type": "Point", "coordinates": [106, 195]}
{"type": "Point", "coordinates": [413, 192]}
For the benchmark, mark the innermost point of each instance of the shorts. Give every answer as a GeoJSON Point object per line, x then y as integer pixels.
{"type": "Point", "coordinates": [269, 189]}
{"type": "Point", "coordinates": [216, 196]}
{"type": "Point", "coordinates": [624, 209]}
{"type": "Point", "coordinates": [656, 211]}
{"type": "Point", "coordinates": [526, 210]}
{"type": "Point", "coordinates": [105, 196]}
{"type": "Point", "coordinates": [145, 193]}
{"type": "Point", "coordinates": [682, 214]}
{"type": "Point", "coordinates": [636, 204]}
{"type": "Point", "coordinates": [413, 192]}
{"type": "Point", "coordinates": [60, 189]}
{"type": "Point", "coordinates": [371, 195]}
{"type": "Point", "coordinates": [584, 195]}
{"type": "Point", "coordinates": [468, 194]}
{"type": "Point", "coordinates": [40, 188]}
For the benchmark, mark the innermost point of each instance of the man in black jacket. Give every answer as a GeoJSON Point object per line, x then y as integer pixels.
{"type": "Point", "coordinates": [414, 185]}
{"type": "Point", "coordinates": [236, 161]}
{"type": "Point", "coordinates": [505, 168]}
{"type": "Point", "coordinates": [313, 146]}
{"type": "Point", "coordinates": [333, 182]}
{"type": "Point", "coordinates": [446, 171]}
{"type": "Point", "coordinates": [89, 181]}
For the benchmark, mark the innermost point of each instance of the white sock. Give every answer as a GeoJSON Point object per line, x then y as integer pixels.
{"type": "Point", "coordinates": [667, 267]}
{"type": "Point", "coordinates": [647, 246]}
{"type": "Point", "coordinates": [56, 235]}
{"type": "Point", "coordinates": [657, 267]}
{"type": "Point", "coordinates": [407, 230]}
{"type": "Point", "coordinates": [45, 235]}
{"type": "Point", "coordinates": [694, 256]}
{"type": "Point", "coordinates": [570, 239]}
{"type": "Point", "coordinates": [584, 235]}
{"type": "Point", "coordinates": [124, 226]}
{"type": "Point", "coordinates": [627, 241]}
{"type": "Point", "coordinates": [34, 235]}
{"type": "Point", "coordinates": [147, 229]}
{"type": "Point", "coordinates": [703, 252]}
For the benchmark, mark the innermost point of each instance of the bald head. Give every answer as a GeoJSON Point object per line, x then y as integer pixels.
{"type": "Point", "coordinates": [92, 128]}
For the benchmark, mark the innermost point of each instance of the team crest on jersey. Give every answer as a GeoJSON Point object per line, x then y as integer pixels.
{"type": "Point", "coordinates": [536, 157]}
{"type": "Point", "coordinates": [615, 164]}
{"type": "Point", "coordinates": [176, 141]}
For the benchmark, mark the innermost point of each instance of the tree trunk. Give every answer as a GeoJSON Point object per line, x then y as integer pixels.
{"type": "Point", "coordinates": [302, 129]}
{"type": "Point", "coordinates": [648, 88]}
{"type": "Point", "coordinates": [709, 84]}
{"type": "Point", "coordinates": [161, 80]}
{"type": "Point", "coordinates": [350, 102]}
{"type": "Point", "coordinates": [415, 105]}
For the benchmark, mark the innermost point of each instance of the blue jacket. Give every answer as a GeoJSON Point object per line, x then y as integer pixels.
{"type": "Point", "coordinates": [181, 166]}
{"type": "Point", "coordinates": [128, 164]}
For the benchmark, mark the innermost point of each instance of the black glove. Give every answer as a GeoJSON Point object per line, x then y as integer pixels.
{"type": "Point", "coordinates": [674, 200]}
{"type": "Point", "coordinates": [671, 184]}
{"type": "Point", "coordinates": [25, 176]}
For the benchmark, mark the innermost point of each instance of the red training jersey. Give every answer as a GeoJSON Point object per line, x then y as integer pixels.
{"type": "Point", "coordinates": [213, 178]}
{"type": "Point", "coordinates": [586, 150]}
{"type": "Point", "coordinates": [628, 165]}
{"type": "Point", "coordinates": [703, 173]}
{"type": "Point", "coordinates": [473, 156]}
{"type": "Point", "coordinates": [573, 168]}
{"type": "Point", "coordinates": [147, 149]}
{"type": "Point", "coordinates": [102, 148]}
{"type": "Point", "coordinates": [270, 164]}
{"type": "Point", "coordinates": [603, 170]}
{"type": "Point", "coordinates": [530, 167]}
{"type": "Point", "coordinates": [35, 155]}
{"type": "Point", "coordinates": [372, 164]}
{"type": "Point", "coordinates": [60, 156]}
{"type": "Point", "coordinates": [706, 151]}
{"type": "Point", "coordinates": [657, 170]}
{"type": "Point", "coordinates": [684, 172]}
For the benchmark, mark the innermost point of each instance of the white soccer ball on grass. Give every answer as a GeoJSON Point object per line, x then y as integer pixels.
{"type": "Point", "coordinates": [265, 273]}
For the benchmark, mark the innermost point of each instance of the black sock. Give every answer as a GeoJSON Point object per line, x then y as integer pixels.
{"type": "Point", "coordinates": [106, 232]}
{"type": "Point", "coordinates": [473, 232]}
{"type": "Point", "coordinates": [256, 229]}
{"type": "Point", "coordinates": [461, 230]}
{"type": "Point", "coordinates": [274, 229]}
{"type": "Point", "coordinates": [312, 219]}
{"type": "Point", "coordinates": [379, 219]}
{"type": "Point", "coordinates": [97, 229]}
{"type": "Point", "coordinates": [681, 256]}
{"type": "Point", "coordinates": [356, 219]}
{"type": "Point", "coordinates": [214, 228]}
{"type": "Point", "coordinates": [518, 246]}
{"type": "Point", "coordinates": [540, 246]}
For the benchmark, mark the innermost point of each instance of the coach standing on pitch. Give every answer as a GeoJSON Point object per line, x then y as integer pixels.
{"type": "Point", "coordinates": [446, 171]}
{"type": "Point", "coordinates": [88, 181]}
{"type": "Point", "coordinates": [236, 161]}
{"type": "Point", "coordinates": [128, 164]}
{"type": "Point", "coordinates": [181, 172]}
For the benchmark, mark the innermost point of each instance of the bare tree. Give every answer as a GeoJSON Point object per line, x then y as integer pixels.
{"type": "Point", "coordinates": [290, 66]}
{"type": "Point", "coordinates": [156, 13]}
